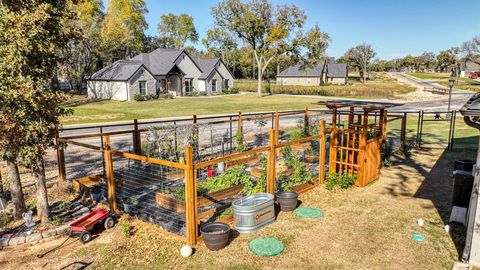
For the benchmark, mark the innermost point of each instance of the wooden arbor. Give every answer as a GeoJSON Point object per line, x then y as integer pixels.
{"type": "Point", "coordinates": [356, 148]}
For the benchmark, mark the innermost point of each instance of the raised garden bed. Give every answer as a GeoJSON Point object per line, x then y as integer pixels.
{"type": "Point", "coordinates": [300, 147]}
{"type": "Point", "coordinates": [169, 202]}
{"type": "Point", "coordinates": [175, 175]}
{"type": "Point", "coordinates": [304, 187]}
{"type": "Point", "coordinates": [311, 158]}
{"type": "Point", "coordinates": [242, 161]}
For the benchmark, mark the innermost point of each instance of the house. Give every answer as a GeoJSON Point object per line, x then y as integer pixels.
{"type": "Point", "coordinates": [162, 70]}
{"type": "Point", "coordinates": [468, 66]}
{"type": "Point", "coordinates": [336, 73]}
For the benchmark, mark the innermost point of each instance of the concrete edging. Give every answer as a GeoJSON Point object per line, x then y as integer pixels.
{"type": "Point", "coordinates": [34, 238]}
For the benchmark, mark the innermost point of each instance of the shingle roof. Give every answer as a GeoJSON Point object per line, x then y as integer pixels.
{"type": "Point", "coordinates": [337, 70]}
{"type": "Point", "coordinates": [120, 70]}
{"type": "Point", "coordinates": [159, 61]}
{"type": "Point", "coordinates": [206, 65]}
{"type": "Point", "coordinates": [300, 70]}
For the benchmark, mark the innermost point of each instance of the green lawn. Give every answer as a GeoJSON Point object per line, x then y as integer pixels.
{"type": "Point", "coordinates": [442, 79]}
{"type": "Point", "coordinates": [111, 110]}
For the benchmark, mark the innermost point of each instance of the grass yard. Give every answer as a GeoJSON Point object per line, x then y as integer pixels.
{"type": "Point", "coordinates": [380, 86]}
{"type": "Point", "coordinates": [442, 79]}
{"type": "Point", "coordinates": [363, 228]}
{"type": "Point", "coordinates": [111, 110]}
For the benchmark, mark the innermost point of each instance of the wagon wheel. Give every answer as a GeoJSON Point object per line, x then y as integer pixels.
{"type": "Point", "coordinates": [109, 222]}
{"type": "Point", "coordinates": [85, 237]}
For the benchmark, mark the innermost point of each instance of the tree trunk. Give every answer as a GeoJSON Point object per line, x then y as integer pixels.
{"type": "Point", "coordinates": [13, 177]}
{"type": "Point", "coordinates": [364, 75]}
{"type": "Point", "coordinates": [42, 198]}
{"type": "Point", "coordinates": [259, 81]}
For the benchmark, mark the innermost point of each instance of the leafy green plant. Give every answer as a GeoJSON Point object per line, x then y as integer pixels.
{"type": "Point", "coordinates": [4, 219]}
{"type": "Point", "coordinates": [64, 205]}
{"type": "Point", "coordinates": [387, 152]}
{"type": "Point", "coordinates": [232, 176]}
{"type": "Point", "coordinates": [311, 152]}
{"type": "Point", "coordinates": [179, 192]}
{"type": "Point", "coordinates": [227, 212]}
{"type": "Point", "coordinates": [343, 181]}
{"type": "Point", "coordinates": [240, 145]}
{"type": "Point", "coordinates": [55, 220]}
{"type": "Point", "coordinates": [297, 135]}
{"type": "Point", "coordinates": [300, 174]}
{"type": "Point", "coordinates": [126, 228]}
{"type": "Point", "coordinates": [30, 205]}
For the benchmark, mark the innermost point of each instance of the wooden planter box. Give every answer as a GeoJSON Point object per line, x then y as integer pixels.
{"type": "Point", "coordinates": [311, 158]}
{"type": "Point", "coordinates": [246, 160]}
{"type": "Point", "coordinates": [300, 147]}
{"type": "Point", "coordinates": [175, 175]}
{"type": "Point", "coordinates": [169, 202]}
{"type": "Point", "coordinates": [304, 187]}
{"type": "Point", "coordinates": [257, 172]}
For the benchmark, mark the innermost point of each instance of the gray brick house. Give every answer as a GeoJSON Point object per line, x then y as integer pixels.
{"type": "Point", "coordinates": [336, 73]}
{"type": "Point", "coordinates": [162, 70]}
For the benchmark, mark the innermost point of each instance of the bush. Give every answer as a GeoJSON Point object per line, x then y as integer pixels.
{"type": "Point", "coordinates": [139, 97]}
{"type": "Point", "coordinates": [343, 181]}
{"type": "Point", "coordinates": [234, 90]}
{"type": "Point", "coordinates": [142, 97]}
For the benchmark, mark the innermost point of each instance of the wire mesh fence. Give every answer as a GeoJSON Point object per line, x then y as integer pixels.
{"type": "Point", "coordinates": [151, 192]}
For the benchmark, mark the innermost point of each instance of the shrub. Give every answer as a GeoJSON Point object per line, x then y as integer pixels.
{"type": "Point", "coordinates": [387, 152]}
{"type": "Point", "coordinates": [139, 97]}
{"type": "Point", "coordinates": [234, 90]}
{"type": "Point", "coordinates": [343, 181]}
{"type": "Point", "coordinates": [165, 96]}
{"type": "Point", "coordinates": [126, 228]}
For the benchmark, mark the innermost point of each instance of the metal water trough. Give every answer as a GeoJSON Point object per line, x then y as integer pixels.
{"type": "Point", "coordinates": [253, 212]}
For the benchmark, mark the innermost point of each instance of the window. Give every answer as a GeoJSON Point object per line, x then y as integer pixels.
{"type": "Point", "coordinates": [225, 84]}
{"type": "Point", "coordinates": [214, 85]}
{"type": "Point", "coordinates": [142, 86]}
{"type": "Point", "coordinates": [188, 85]}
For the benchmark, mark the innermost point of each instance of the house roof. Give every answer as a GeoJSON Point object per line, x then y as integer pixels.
{"type": "Point", "coordinates": [300, 70]}
{"type": "Point", "coordinates": [159, 61]}
{"type": "Point", "coordinates": [206, 65]}
{"type": "Point", "coordinates": [334, 70]}
{"type": "Point", "coordinates": [337, 70]}
{"type": "Point", "coordinates": [121, 70]}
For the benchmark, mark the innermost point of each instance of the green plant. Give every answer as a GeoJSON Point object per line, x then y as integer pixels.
{"type": "Point", "coordinates": [311, 152]}
{"type": "Point", "coordinates": [387, 152]}
{"type": "Point", "coordinates": [300, 174]}
{"type": "Point", "coordinates": [139, 97]}
{"type": "Point", "coordinates": [227, 212]}
{"type": "Point", "coordinates": [63, 205]}
{"type": "Point", "coordinates": [234, 90]}
{"type": "Point", "coordinates": [297, 134]}
{"type": "Point", "coordinates": [240, 145]}
{"type": "Point", "coordinates": [232, 176]}
{"type": "Point", "coordinates": [30, 205]}
{"type": "Point", "coordinates": [55, 220]}
{"type": "Point", "coordinates": [4, 219]}
{"type": "Point", "coordinates": [179, 192]}
{"type": "Point", "coordinates": [125, 228]}
{"type": "Point", "coordinates": [343, 181]}
{"type": "Point", "coordinates": [371, 134]}
{"type": "Point", "coordinates": [406, 148]}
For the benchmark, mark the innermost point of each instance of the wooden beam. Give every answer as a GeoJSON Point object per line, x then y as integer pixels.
{"type": "Point", "coordinates": [322, 152]}
{"type": "Point", "coordinates": [305, 121]}
{"type": "Point", "coordinates": [240, 123]}
{"type": "Point", "coordinates": [60, 160]}
{"type": "Point", "coordinates": [332, 166]}
{"type": "Point", "coordinates": [271, 161]}
{"type": "Point", "coordinates": [110, 176]}
{"type": "Point", "coordinates": [137, 144]}
{"type": "Point", "coordinates": [231, 157]}
{"type": "Point", "coordinates": [149, 159]}
{"type": "Point", "coordinates": [191, 210]}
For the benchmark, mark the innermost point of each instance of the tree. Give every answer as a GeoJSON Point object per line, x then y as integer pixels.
{"type": "Point", "coordinates": [445, 60]}
{"type": "Point", "coordinates": [428, 60]}
{"type": "Point", "coordinates": [123, 27]}
{"type": "Point", "coordinates": [360, 57]}
{"type": "Point", "coordinates": [81, 55]}
{"type": "Point", "coordinates": [34, 32]}
{"type": "Point", "coordinates": [471, 50]}
{"type": "Point", "coordinates": [174, 31]}
{"type": "Point", "coordinates": [266, 29]}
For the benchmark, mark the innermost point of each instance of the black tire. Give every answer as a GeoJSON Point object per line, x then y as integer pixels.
{"type": "Point", "coordinates": [108, 223]}
{"type": "Point", "coordinates": [85, 237]}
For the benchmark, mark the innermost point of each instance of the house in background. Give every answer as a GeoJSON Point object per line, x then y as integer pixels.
{"type": "Point", "coordinates": [468, 66]}
{"type": "Point", "coordinates": [162, 70]}
{"type": "Point", "coordinates": [336, 73]}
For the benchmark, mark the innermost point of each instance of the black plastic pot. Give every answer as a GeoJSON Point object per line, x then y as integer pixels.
{"type": "Point", "coordinates": [215, 235]}
{"type": "Point", "coordinates": [287, 200]}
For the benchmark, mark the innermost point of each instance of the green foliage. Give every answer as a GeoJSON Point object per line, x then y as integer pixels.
{"type": "Point", "coordinates": [387, 152]}
{"type": "Point", "coordinates": [64, 206]}
{"type": "Point", "coordinates": [240, 145]}
{"type": "Point", "coordinates": [196, 94]}
{"type": "Point", "coordinates": [300, 174]}
{"type": "Point", "coordinates": [227, 212]}
{"type": "Point", "coordinates": [55, 220]}
{"type": "Point", "coordinates": [174, 31]}
{"type": "Point", "coordinates": [30, 205]}
{"type": "Point", "coordinates": [232, 176]}
{"type": "Point", "coordinates": [232, 90]}
{"type": "Point", "coordinates": [142, 97]}
{"type": "Point", "coordinates": [4, 219]}
{"type": "Point", "coordinates": [125, 228]}
{"type": "Point", "coordinates": [297, 134]}
{"type": "Point", "coordinates": [179, 192]}
{"type": "Point", "coordinates": [343, 181]}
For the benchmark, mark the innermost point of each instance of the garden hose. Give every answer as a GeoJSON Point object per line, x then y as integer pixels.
{"type": "Point", "coordinates": [64, 241]}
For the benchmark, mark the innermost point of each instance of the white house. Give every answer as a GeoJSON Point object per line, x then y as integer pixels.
{"type": "Point", "coordinates": [161, 70]}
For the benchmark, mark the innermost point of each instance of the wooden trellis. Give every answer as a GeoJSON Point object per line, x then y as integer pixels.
{"type": "Point", "coordinates": [356, 149]}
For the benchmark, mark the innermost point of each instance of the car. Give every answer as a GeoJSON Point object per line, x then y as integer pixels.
{"type": "Point", "coordinates": [473, 75]}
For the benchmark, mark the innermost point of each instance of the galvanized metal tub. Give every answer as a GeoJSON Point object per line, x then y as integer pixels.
{"type": "Point", "coordinates": [253, 212]}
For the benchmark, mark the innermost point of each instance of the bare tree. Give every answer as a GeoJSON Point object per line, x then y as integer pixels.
{"type": "Point", "coordinates": [360, 57]}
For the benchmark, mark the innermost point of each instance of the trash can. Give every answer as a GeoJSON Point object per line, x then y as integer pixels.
{"type": "Point", "coordinates": [462, 188]}
{"type": "Point", "coordinates": [464, 165]}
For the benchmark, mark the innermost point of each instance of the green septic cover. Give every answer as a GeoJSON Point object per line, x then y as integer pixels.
{"type": "Point", "coordinates": [418, 237]}
{"type": "Point", "coordinates": [266, 246]}
{"type": "Point", "coordinates": [309, 212]}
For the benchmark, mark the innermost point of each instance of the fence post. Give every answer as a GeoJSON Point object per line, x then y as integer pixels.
{"type": "Point", "coordinates": [240, 123]}
{"type": "Point", "coordinates": [272, 159]}
{"type": "Point", "coordinates": [305, 119]}
{"type": "Point", "coordinates": [109, 173]}
{"type": "Point", "coordinates": [362, 148]}
{"type": "Point", "coordinates": [323, 149]}
{"type": "Point", "coordinates": [190, 198]}
{"type": "Point", "coordinates": [137, 145]}
{"type": "Point", "coordinates": [332, 168]}
{"type": "Point", "coordinates": [277, 126]}
{"type": "Point", "coordinates": [403, 129]}
{"type": "Point", "coordinates": [60, 160]}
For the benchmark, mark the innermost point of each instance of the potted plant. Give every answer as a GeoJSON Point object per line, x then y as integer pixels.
{"type": "Point", "coordinates": [215, 235]}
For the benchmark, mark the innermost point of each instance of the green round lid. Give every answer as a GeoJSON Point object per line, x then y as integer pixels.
{"type": "Point", "coordinates": [266, 246]}
{"type": "Point", "coordinates": [308, 212]}
{"type": "Point", "coordinates": [418, 237]}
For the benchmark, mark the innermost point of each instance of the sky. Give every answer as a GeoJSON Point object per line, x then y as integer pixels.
{"type": "Point", "coordinates": [394, 28]}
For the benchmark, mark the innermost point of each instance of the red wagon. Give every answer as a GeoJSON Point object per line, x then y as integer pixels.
{"type": "Point", "coordinates": [85, 224]}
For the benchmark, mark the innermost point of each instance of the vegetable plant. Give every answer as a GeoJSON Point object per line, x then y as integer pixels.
{"type": "Point", "coordinates": [343, 181]}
